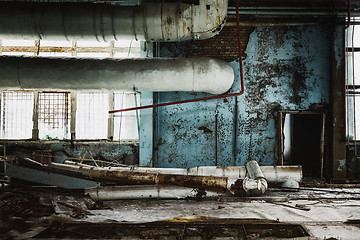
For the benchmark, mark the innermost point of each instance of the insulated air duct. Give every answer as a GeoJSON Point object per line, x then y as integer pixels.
{"type": "Point", "coordinates": [104, 22]}
{"type": "Point", "coordinates": [151, 75]}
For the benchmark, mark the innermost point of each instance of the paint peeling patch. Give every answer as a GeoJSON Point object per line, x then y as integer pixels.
{"type": "Point", "coordinates": [341, 165]}
{"type": "Point", "coordinates": [205, 129]}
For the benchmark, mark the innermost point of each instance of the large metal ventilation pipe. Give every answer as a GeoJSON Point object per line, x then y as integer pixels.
{"type": "Point", "coordinates": [155, 74]}
{"type": "Point", "coordinates": [104, 22]}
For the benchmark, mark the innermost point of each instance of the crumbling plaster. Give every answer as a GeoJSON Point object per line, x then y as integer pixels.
{"type": "Point", "coordinates": [286, 68]}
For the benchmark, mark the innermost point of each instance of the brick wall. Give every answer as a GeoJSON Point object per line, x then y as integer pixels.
{"type": "Point", "coordinates": [223, 46]}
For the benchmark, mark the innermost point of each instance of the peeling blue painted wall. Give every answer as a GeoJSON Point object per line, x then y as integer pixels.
{"type": "Point", "coordinates": [286, 68]}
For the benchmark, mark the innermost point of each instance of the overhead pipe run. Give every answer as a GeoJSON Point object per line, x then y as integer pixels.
{"type": "Point", "coordinates": [151, 75]}
{"type": "Point", "coordinates": [105, 22]}
{"type": "Point", "coordinates": [204, 98]}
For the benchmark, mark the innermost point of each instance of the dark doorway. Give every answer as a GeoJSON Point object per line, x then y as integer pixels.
{"type": "Point", "coordinates": [303, 142]}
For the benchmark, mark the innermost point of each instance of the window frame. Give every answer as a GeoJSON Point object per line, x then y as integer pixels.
{"type": "Point", "coordinates": [73, 111]}
{"type": "Point", "coordinates": [352, 90]}
{"type": "Point", "coordinates": [128, 49]}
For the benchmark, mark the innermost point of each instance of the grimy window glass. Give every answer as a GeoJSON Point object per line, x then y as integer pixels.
{"type": "Point", "coordinates": [16, 114]}
{"type": "Point", "coordinates": [54, 115]}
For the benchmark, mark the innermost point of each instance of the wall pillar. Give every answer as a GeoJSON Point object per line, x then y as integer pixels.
{"type": "Point", "coordinates": [337, 101]}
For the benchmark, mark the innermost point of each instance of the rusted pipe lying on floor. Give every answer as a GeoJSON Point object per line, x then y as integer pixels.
{"type": "Point", "coordinates": [129, 177]}
{"type": "Point", "coordinates": [288, 176]}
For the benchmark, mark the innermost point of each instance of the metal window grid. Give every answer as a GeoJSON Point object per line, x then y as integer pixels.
{"type": "Point", "coordinates": [54, 107]}
{"type": "Point", "coordinates": [16, 114]}
{"type": "Point", "coordinates": [54, 110]}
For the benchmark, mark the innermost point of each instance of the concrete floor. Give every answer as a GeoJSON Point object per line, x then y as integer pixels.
{"type": "Point", "coordinates": [324, 213]}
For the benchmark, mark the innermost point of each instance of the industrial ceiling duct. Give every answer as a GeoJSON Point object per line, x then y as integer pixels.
{"type": "Point", "coordinates": [155, 74]}
{"type": "Point", "coordinates": [104, 22]}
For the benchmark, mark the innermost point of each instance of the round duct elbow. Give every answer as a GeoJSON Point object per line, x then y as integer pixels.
{"type": "Point", "coordinates": [149, 75]}
{"type": "Point", "coordinates": [257, 184]}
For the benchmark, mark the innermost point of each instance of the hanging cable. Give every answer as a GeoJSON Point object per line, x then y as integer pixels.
{"type": "Point", "coordinates": [130, 48]}
{"type": "Point", "coordinates": [121, 117]}
{"type": "Point", "coordinates": [137, 115]}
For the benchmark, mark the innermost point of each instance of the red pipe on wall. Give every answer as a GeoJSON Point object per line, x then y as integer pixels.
{"type": "Point", "coordinates": [204, 98]}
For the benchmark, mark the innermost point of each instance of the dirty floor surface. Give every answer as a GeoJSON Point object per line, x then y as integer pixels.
{"type": "Point", "coordinates": [306, 214]}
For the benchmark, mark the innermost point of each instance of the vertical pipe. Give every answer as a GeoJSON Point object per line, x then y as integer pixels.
{"type": "Point", "coordinates": [216, 137]}
{"type": "Point", "coordinates": [155, 130]}
{"type": "Point", "coordinates": [235, 130]}
{"type": "Point", "coordinates": [35, 130]}
{"type": "Point", "coordinates": [239, 47]}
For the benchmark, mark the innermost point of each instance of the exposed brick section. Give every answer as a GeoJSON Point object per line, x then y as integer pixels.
{"type": "Point", "coordinates": [223, 46]}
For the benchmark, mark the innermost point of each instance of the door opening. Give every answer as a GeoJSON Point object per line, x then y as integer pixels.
{"type": "Point", "coordinates": [302, 141]}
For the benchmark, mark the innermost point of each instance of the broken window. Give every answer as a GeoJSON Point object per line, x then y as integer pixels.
{"type": "Point", "coordinates": [92, 115]}
{"type": "Point", "coordinates": [16, 114]}
{"type": "Point", "coordinates": [54, 115]}
{"type": "Point", "coordinates": [353, 82]}
{"type": "Point", "coordinates": [126, 124]}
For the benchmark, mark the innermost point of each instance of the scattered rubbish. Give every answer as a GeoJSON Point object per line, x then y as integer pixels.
{"type": "Point", "coordinates": [206, 228]}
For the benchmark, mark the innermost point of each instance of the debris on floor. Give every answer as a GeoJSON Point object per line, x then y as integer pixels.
{"type": "Point", "coordinates": [167, 211]}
